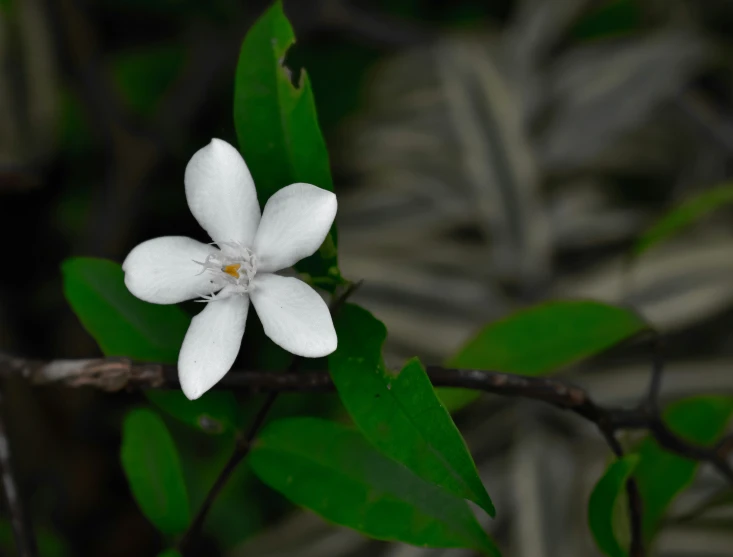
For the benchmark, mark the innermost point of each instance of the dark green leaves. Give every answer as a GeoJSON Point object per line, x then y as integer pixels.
{"type": "Point", "coordinates": [333, 471]}
{"type": "Point", "coordinates": [277, 127]}
{"type": "Point", "coordinates": [215, 412]}
{"type": "Point", "coordinates": [399, 412]}
{"type": "Point", "coordinates": [546, 337]}
{"type": "Point", "coordinates": [662, 475]}
{"type": "Point", "coordinates": [151, 463]}
{"type": "Point", "coordinates": [121, 324]}
{"type": "Point", "coordinates": [603, 502]}
{"type": "Point", "coordinates": [684, 215]}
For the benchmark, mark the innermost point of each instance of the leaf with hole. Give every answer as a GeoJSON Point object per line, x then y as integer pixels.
{"type": "Point", "coordinates": [277, 128]}
{"type": "Point", "coordinates": [333, 471]}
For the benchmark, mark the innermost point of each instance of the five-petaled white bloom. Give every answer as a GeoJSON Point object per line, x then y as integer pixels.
{"type": "Point", "coordinates": [171, 269]}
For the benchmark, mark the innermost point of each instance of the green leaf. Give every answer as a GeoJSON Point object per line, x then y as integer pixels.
{"type": "Point", "coordinates": [122, 324]}
{"type": "Point", "coordinates": [277, 128]}
{"type": "Point", "coordinates": [603, 501]}
{"type": "Point", "coordinates": [169, 553]}
{"type": "Point", "coordinates": [662, 475]}
{"type": "Point", "coordinates": [399, 412]}
{"type": "Point", "coordinates": [215, 412]}
{"type": "Point", "coordinates": [543, 338]}
{"type": "Point", "coordinates": [333, 471]}
{"type": "Point", "coordinates": [683, 216]}
{"type": "Point", "coordinates": [153, 469]}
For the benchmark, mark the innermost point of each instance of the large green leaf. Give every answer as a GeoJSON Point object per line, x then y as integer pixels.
{"type": "Point", "coordinates": [277, 128]}
{"type": "Point", "coordinates": [662, 475]}
{"type": "Point", "coordinates": [153, 469]}
{"type": "Point", "coordinates": [601, 506]}
{"type": "Point", "coordinates": [215, 412]}
{"type": "Point", "coordinates": [683, 216]}
{"type": "Point", "coordinates": [335, 472]}
{"type": "Point", "coordinates": [122, 324]}
{"type": "Point", "coordinates": [399, 412]}
{"type": "Point", "coordinates": [543, 338]}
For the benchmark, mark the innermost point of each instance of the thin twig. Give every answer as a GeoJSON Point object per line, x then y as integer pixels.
{"type": "Point", "coordinates": [241, 450]}
{"type": "Point", "coordinates": [244, 441]}
{"type": "Point", "coordinates": [25, 541]}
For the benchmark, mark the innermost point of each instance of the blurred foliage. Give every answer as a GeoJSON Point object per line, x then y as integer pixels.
{"type": "Point", "coordinates": [686, 214]}
{"type": "Point", "coordinates": [49, 543]}
{"type": "Point", "coordinates": [603, 504]}
{"type": "Point", "coordinates": [583, 139]}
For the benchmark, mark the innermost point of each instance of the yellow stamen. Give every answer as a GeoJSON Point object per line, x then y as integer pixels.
{"type": "Point", "coordinates": [232, 270]}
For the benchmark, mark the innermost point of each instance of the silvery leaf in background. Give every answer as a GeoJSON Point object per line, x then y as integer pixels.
{"type": "Point", "coordinates": [27, 80]}
{"type": "Point", "coordinates": [603, 90]}
{"type": "Point", "coordinates": [674, 286]}
{"type": "Point", "coordinates": [536, 29]}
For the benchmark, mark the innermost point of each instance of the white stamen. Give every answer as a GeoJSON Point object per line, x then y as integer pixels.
{"type": "Point", "coordinates": [234, 268]}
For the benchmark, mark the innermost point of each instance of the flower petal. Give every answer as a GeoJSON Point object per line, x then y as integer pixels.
{"type": "Point", "coordinates": [212, 344]}
{"type": "Point", "coordinates": [221, 193]}
{"type": "Point", "coordinates": [163, 271]}
{"type": "Point", "coordinates": [293, 315]}
{"type": "Point", "coordinates": [294, 224]}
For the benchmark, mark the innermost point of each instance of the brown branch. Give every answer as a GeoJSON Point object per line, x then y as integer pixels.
{"type": "Point", "coordinates": [120, 374]}
{"type": "Point", "coordinates": [25, 541]}
{"type": "Point", "coordinates": [116, 374]}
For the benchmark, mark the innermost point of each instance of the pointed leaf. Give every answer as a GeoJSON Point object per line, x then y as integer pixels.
{"type": "Point", "coordinates": [603, 501]}
{"type": "Point", "coordinates": [122, 324]}
{"type": "Point", "coordinates": [333, 471]}
{"type": "Point", "coordinates": [153, 469]}
{"type": "Point", "coordinates": [683, 216]}
{"type": "Point", "coordinates": [277, 127]}
{"type": "Point", "coordinates": [543, 338]}
{"type": "Point", "coordinates": [399, 412]}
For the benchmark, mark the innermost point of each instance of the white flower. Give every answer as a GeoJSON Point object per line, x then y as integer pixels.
{"type": "Point", "coordinates": [171, 269]}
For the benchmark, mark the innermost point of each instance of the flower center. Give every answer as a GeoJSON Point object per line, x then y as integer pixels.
{"type": "Point", "coordinates": [234, 266]}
